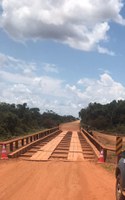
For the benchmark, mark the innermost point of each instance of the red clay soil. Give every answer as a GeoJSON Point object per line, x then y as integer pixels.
{"type": "Point", "coordinates": [52, 180]}
{"type": "Point", "coordinates": [72, 126]}
{"type": "Point", "coordinates": [23, 180]}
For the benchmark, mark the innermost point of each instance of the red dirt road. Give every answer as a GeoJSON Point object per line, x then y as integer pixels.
{"type": "Point", "coordinates": [27, 180]}
{"type": "Point", "coordinates": [23, 180]}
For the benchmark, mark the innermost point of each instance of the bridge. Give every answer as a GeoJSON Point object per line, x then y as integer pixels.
{"type": "Point", "coordinates": [58, 164]}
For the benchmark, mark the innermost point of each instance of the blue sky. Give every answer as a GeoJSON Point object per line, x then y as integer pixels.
{"type": "Point", "coordinates": [62, 55]}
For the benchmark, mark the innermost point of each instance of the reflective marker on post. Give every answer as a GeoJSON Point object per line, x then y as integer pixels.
{"type": "Point", "coordinates": [118, 146]}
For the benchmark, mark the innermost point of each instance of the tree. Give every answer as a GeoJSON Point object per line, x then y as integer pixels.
{"type": "Point", "coordinates": [20, 119]}
{"type": "Point", "coordinates": [108, 116]}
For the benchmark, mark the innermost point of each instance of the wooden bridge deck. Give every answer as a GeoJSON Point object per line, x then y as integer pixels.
{"type": "Point", "coordinates": [74, 153]}
{"type": "Point", "coordinates": [45, 152]}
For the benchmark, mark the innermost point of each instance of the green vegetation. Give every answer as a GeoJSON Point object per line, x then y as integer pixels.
{"type": "Point", "coordinates": [109, 117]}
{"type": "Point", "coordinates": [110, 167]}
{"type": "Point", "coordinates": [16, 120]}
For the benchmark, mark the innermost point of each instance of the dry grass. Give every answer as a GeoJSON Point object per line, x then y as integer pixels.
{"type": "Point", "coordinates": [109, 167]}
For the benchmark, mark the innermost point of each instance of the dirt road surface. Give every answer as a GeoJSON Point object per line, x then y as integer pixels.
{"type": "Point", "coordinates": [55, 180]}
{"type": "Point", "coordinates": [74, 126]}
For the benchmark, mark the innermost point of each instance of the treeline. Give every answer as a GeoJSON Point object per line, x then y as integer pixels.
{"type": "Point", "coordinates": [109, 117]}
{"type": "Point", "coordinates": [16, 120]}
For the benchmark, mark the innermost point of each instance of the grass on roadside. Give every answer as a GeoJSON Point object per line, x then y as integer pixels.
{"type": "Point", "coordinates": [110, 167]}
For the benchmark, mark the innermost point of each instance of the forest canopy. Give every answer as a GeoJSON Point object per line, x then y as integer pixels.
{"type": "Point", "coordinates": [16, 120]}
{"type": "Point", "coordinates": [109, 117]}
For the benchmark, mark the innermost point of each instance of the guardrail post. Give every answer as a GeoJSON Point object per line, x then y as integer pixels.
{"type": "Point", "coordinates": [27, 140]}
{"type": "Point", "coordinates": [16, 144]}
{"type": "Point", "coordinates": [105, 154]}
{"type": "Point", "coordinates": [22, 142]}
{"type": "Point", "coordinates": [118, 147]}
{"type": "Point", "coordinates": [34, 138]}
{"type": "Point", "coordinates": [11, 146]}
{"type": "Point", "coordinates": [31, 139]}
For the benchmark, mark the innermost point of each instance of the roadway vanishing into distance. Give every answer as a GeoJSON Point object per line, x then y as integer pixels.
{"type": "Point", "coordinates": [63, 167]}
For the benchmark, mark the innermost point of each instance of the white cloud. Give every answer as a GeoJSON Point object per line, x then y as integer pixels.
{"type": "Point", "coordinates": [105, 51]}
{"type": "Point", "coordinates": [42, 84]}
{"type": "Point", "coordinates": [11, 63]}
{"type": "Point", "coordinates": [80, 24]}
{"type": "Point", "coordinates": [48, 93]}
{"type": "Point", "coordinates": [18, 86]}
{"type": "Point", "coordinates": [50, 68]}
{"type": "Point", "coordinates": [103, 90]}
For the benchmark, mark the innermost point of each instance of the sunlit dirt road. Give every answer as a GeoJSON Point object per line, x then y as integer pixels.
{"type": "Point", "coordinates": [22, 180]}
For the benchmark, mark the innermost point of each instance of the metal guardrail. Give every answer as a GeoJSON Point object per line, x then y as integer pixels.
{"type": "Point", "coordinates": [99, 146]}
{"type": "Point", "coordinates": [18, 143]}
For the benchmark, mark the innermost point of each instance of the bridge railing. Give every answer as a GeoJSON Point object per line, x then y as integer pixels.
{"type": "Point", "coordinates": [99, 146]}
{"type": "Point", "coordinates": [18, 143]}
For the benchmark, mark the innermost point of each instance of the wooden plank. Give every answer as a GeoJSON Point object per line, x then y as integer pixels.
{"type": "Point", "coordinates": [75, 151]}
{"type": "Point", "coordinates": [45, 152]}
